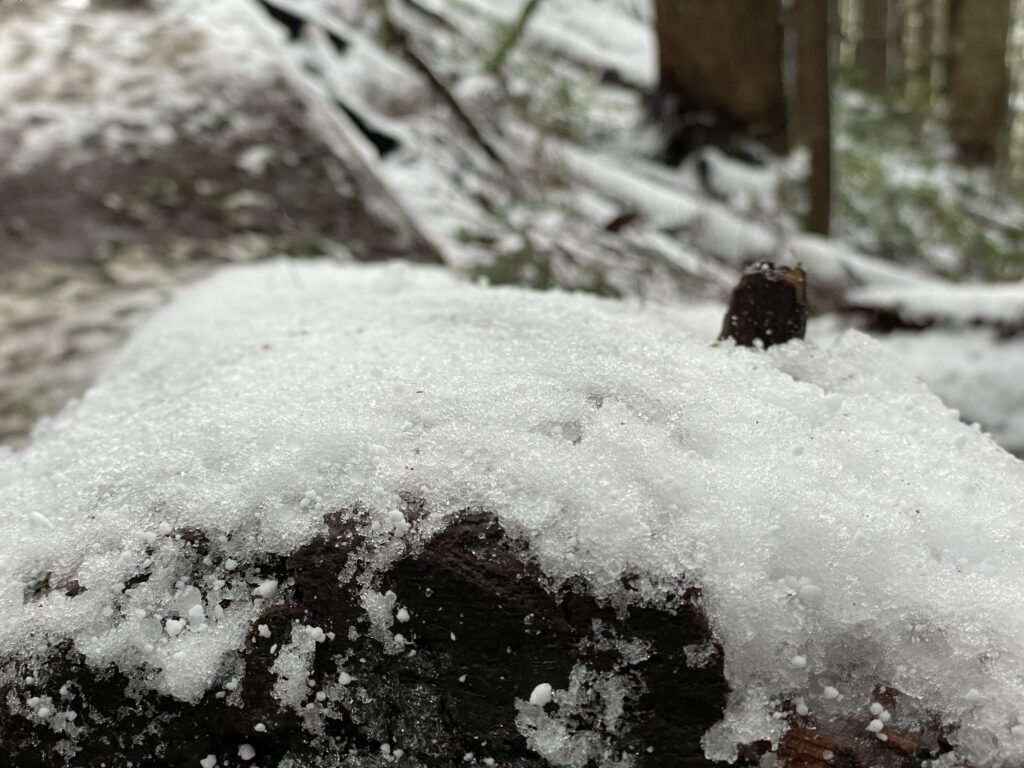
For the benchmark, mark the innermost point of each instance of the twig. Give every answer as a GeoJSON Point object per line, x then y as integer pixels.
{"type": "Point", "coordinates": [511, 37]}
{"type": "Point", "coordinates": [402, 38]}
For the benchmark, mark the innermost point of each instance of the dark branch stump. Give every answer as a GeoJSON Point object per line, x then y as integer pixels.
{"type": "Point", "coordinates": [769, 306]}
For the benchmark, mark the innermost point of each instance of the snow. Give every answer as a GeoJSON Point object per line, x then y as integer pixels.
{"type": "Point", "coordinates": [595, 698]}
{"type": "Point", "coordinates": [832, 510]}
{"type": "Point", "coordinates": [293, 666]}
{"type": "Point", "coordinates": [267, 589]}
{"type": "Point", "coordinates": [976, 371]}
{"type": "Point", "coordinates": [191, 61]}
{"type": "Point", "coordinates": [541, 695]}
{"type": "Point", "coordinates": [595, 32]}
{"type": "Point", "coordinates": [999, 304]}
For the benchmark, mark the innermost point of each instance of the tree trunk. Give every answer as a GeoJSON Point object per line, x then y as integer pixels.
{"type": "Point", "coordinates": [950, 10]}
{"type": "Point", "coordinates": [927, 42]}
{"type": "Point", "coordinates": [872, 48]}
{"type": "Point", "coordinates": [979, 80]}
{"type": "Point", "coordinates": [721, 71]}
{"type": "Point", "coordinates": [896, 65]}
{"type": "Point", "coordinates": [813, 108]}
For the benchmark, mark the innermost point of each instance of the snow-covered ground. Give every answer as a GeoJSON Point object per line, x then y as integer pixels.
{"type": "Point", "coordinates": [77, 82]}
{"type": "Point", "coordinates": [138, 149]}
{"type": "Point", "coordinates": [846, 529]}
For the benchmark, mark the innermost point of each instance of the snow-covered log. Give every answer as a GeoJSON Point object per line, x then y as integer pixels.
{"type": "Point", "coordinates": [998, 306]}
{"type": "Point", "coordinates": [329, 516]}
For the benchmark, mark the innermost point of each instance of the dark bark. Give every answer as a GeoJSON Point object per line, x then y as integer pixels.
{"type": "Point", "coordinates": [769, 306]}
{"type": "Point", "coordinates": [813, 106]}
{"type": "Point", "coordinates": [486, 625]}
{"type": "Point", "coordinates": [721, 73]}
{"type": "Point", "coordinates": [979, 78]}
{"type": "Point", "coordinates": [891, 316]}
{"type": "Point", "coordinates": [896, 64]}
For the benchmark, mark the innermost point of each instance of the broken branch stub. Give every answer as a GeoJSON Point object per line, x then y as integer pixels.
{"type": "Point", "coordinates": [768, 306]}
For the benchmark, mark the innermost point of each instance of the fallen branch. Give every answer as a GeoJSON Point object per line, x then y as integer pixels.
{"type": "Point", "coordinates": [402, 38]}
{"type": "Point", "coordinates": [345, 140]}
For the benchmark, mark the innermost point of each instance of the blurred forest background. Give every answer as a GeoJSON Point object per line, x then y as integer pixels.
{"type": "Point", "coordinates": [910, 110]}
{"type": "Point", "coordinates": [646, 150]}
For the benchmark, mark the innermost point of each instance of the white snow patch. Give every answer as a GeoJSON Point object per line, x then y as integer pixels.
{"type": "Point", "coordinates": [187, 62]}
{"type": "Point", "coordinates": [541, 695]}
{"type": "Point", "coordinates": [293, 667]}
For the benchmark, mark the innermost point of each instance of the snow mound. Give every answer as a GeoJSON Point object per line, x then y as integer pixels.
{"type": "Point", "coordinates": [846, 529]}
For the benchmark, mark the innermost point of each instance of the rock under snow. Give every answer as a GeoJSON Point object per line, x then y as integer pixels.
{"type": "Point", "coordinates": [845, 532]}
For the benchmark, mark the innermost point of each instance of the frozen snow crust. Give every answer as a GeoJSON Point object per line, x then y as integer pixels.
{"type": "Point", "coordinates": [846, 529]}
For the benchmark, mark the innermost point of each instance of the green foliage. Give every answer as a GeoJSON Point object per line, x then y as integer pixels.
{"type": "Point", "coordinates": [902, 196]}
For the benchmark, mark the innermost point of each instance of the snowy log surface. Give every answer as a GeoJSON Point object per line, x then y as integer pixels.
{"type": "Point", "coordinates": [999, 306]}
{"type": "Point", "coordinates": [856, 549]}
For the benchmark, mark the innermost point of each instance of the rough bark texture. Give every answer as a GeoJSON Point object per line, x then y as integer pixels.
{"type": "Point", "coordinates": [873, 45]}
{"type": "Point", "coordinates": [769, 306]}
{"type": "Point", "coordinates": [814, 113]}
{"type": "Point", "coordinates": [978, 78]}
{"type": "Point", "coordinates": [486, 627]}
{"type": "Point", "coordinates": [721, 71]}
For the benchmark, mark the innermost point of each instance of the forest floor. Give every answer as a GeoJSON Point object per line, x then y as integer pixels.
{"type": "Point", "coordinates": [104, 214]}
{"type": "Point", "coordinates": [142, 147]}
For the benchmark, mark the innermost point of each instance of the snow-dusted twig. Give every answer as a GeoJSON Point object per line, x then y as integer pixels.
{"type": "Point", "coordinates": [343, 137]}
{"type": "Point", "coordinates": [512, 36]}
{"type": "Point", "coordinates": [401, 36]}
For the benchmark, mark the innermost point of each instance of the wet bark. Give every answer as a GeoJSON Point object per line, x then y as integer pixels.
{"type": "Point", "coordinates": [485, 627]}
{"type": "Point", "coordinates": [482, 626]}
{"type": "Point", "coordinates": [769, 306]}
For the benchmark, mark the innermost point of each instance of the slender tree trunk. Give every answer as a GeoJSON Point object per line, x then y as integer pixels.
{"type": "Point", "coordinates": [918, 49]}
{"type": "Point", "coordinates": [979, 80]}
{"type": "Point", "coordinates": [950, 11]}
{"type": "Point", "coordinates": [896, 64]}
{"type": "Point", "coordinates": [724, 59]}
{"type": "Point", "coordinates": [927, 48]}
{"type": "Point", "coordinates": [813, 105]}
{"type": "Point", "coordinates": [873, 46]}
